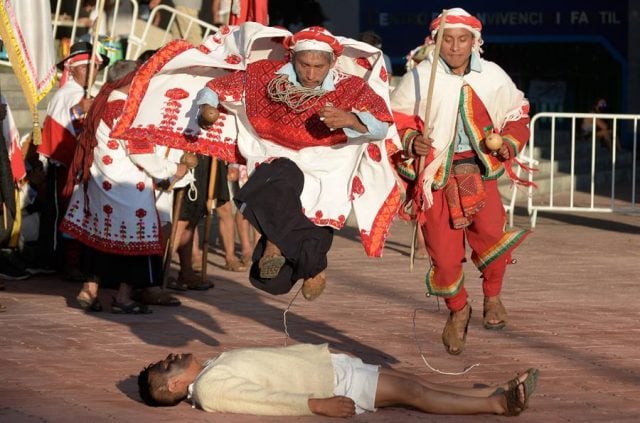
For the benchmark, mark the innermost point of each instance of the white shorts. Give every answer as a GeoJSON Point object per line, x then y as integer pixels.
{"type": "Point", "coordinates": [356, 380]}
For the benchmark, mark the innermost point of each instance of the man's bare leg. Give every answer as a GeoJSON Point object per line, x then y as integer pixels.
{"type": "Point", "coordinates": [227, 234]}
{"type": "Point", "coordinates": [395, 388]}
{"type": "Point", "coordinates": [244, 233]}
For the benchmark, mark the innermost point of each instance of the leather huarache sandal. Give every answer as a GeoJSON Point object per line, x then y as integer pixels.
{"type": "Point", "coordinates": [516, 404]}
{"type": "Point", "coordinates": [270, 266]}
{"type": "Point", "coordinates": [131, 308]}
{"type": "Point", "coordinates": [494, 315]}
{"type": "Point", "coordinates": [246, 260]}
{"type": "Point", "coordinates": [194, 282]}
{"type": "Point", "coordinates": [88, 303]}
{"type": "Point", "coordinates": [450, 338]}
{"type": "Point", "coordinates": [235, 265]}
{"type": "Point", "coordinates": [156, 297]}
{"type": "Point", "coordinates": [313, 287]}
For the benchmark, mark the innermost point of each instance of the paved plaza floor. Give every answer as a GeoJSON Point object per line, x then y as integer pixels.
{"type": "Point", "coordinates": [572, 297]}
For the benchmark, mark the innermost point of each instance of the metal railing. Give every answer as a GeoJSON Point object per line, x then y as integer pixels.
{"type": "Point", "coordinates": [591, 171]}
{"type": "Point", "coordinates": [123, 24]}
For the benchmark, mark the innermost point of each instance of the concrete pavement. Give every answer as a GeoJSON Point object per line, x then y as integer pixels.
{"type": "Point", "coordinates": [572, 297]}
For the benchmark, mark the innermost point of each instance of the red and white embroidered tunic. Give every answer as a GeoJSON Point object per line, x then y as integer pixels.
{"type": "Point", "coordinates": [332, 163]}
{"type": "Point", "coordinates": [60, 130]}
{"type": "Point", "coordinates": [118, 213]}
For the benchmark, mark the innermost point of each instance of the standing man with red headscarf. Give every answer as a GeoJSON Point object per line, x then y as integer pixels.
{"type": "Point", "coordinates": [309, 129]}
{"type": "Point", "coordinates": [62, 127]}
{"type": "Point", "coordinates": [456, 195]}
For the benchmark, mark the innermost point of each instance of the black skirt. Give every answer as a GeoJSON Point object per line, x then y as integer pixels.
{"type": "Point", "coordinates": [110, 270]}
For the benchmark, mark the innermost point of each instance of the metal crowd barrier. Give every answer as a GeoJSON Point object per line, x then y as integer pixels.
{"type": "Point", "coordinates": [582, 174]}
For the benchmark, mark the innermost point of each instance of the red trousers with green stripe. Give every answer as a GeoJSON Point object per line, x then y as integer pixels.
{"type": "Point", "coordinates": [491, 247]}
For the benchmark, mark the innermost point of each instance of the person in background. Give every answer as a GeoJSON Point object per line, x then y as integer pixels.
{"type": "Point", "coordinates": [375, 40]}
{"type": "Point", "coordinates": [603, 133]}
{"type": "Point", "coordinates": [112, 205]}
{"type": "Point", "coordinates": [61, 129]}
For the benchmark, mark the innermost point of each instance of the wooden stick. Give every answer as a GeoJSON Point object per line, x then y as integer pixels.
{"type": "Point", "coordinates": [425, 130]}
{"type": "Point", "coordinates": [213, 173]}
{"type": "Point", "coordinates": [94, 49]}
{"type": "Point", "coordinates": [168, 252]}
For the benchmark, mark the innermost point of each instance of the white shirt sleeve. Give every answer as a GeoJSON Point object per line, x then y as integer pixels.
{"type": "Point", "coordinates": [156, 166]}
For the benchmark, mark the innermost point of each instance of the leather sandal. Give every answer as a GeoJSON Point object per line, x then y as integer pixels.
{"type": "Point", "coordinates": [131, 308]}
{"type": "Point", "coordinates": [194, 282]}
{"type": "Point", "coordinates": [516, 404]}
{"type": "Point", "coordinates": [270, 266]}
{"type": "Point", "coordinates": [88, 303]}
{"type": "Point", "coordinates": [313, 287]}
{"type": "Point", "coordinates": [494, 311]}
{"type": "Point", "coordinates": [234, 266]}
{"type": "Point", "coordinates": [156, 297]}
{"type": "Point", "coordinates": [452, 342]}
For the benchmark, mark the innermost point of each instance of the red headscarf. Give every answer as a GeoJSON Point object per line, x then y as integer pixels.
{"type": "Point", "coordinates": [313, 38]}
{"type": "Point", "coordinates": [458, 18]}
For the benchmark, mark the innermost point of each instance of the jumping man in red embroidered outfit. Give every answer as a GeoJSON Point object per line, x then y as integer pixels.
{"type": "Point", "coordinates": [456, 195]}
{"type": "Point", "coordinates": [320, 118]}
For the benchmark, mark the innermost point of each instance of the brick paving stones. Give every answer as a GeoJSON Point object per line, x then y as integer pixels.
{"type": "Point", "coordinates": [572, 297]}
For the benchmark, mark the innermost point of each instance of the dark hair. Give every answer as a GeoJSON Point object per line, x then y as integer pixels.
{"type": "Point", "coordinates": [145, 56]}
{"type": "Point", "coordinates": [371, 38]}
{"type": "Point", "coordinates": [150, 394]}
{"type": "Point", "coordinates": [120, 69]}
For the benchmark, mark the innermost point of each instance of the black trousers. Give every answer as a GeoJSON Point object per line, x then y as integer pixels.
{"type": "Point", "coordinates": [270, 201]}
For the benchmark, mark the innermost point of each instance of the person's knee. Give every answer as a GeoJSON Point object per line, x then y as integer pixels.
{"type": "Point", "coordinates": [397, 389]}
{"type": "Point", "coordinates": [224, 211]}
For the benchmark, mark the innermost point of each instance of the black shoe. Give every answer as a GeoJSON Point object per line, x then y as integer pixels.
{"type": "Point", "coordinates": [41, 270]}
{"type": "Point", "coordinates": [11, 270]}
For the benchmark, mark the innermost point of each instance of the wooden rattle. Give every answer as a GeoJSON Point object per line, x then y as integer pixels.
{"type": "Point", "coordinates": [493, 141]}
{"type": "Point", "coordinates": [207, 116]}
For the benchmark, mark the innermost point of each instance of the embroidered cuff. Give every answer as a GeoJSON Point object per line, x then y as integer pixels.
{"type": "Point", "coordinates": [377, 130]}
{"type": "Point", "coordinates": [407, 141]}
{"type": "Point", "coordinates": [207, 96]}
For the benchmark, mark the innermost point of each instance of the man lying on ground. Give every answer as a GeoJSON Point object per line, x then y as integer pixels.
{"type": "Point", "coordinates": [307, 379]}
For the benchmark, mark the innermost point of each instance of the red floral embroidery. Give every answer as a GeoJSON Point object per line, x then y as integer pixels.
{"type": "Point", "coordinates": [106, 159]}
{"type": "Point", "coordinates": [318, 214]}
{"type": "Point", "coordinates": [391, 147]}
{"type": "Point", "coordinates": [113, 145]}
{"type": "Point", "coordinates": [374, 152]}
{"type": "Point", "coordinates": [140, 213]}
{"type": "Point", "coordinates": [383, 74]}
{"type": "Point", "coordinates": [140, 186]}
{"type": "Point", "coordinates": [363, 62]}
{"type": "Point", "coordinates": [233, 59]}
{"type": "Point", "coordinates": [357, 189]}
{"type": "Point", "coordinates": [225, 30]}
{"type": "Point", "coordinates": [176, 94]}
{"type": "Point", "coordinates": [106, 185]}
{"type": "Point", "coordinates": [107, 209]}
